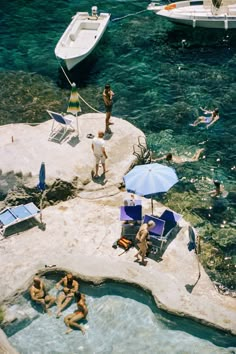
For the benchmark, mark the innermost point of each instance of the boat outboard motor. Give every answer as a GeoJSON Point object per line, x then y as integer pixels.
{"type": "Point", "coordinates": [94, 11]}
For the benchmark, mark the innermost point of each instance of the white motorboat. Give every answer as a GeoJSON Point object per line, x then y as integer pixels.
{"type": "Point", "coordinates": [219, 14]}
{"type": "Point", "coordinates": [81, 36]}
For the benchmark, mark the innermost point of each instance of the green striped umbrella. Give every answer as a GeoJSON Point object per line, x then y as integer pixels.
{"type": "Point", "coordinates": [74, 104]}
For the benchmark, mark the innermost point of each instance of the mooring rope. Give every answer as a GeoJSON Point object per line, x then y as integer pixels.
{"type": "Point", "coordinates": [94, 109]}
{"type": "Point", "coordinates": [133, 14]}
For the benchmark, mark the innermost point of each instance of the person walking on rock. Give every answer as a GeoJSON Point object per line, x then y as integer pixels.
{"type": "Point", "coordinates": [108, 102]}
{"type": "Point", "coordinates": [98, 147]}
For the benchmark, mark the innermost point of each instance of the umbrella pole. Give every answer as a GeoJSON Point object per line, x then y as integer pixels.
{"type": "Point", "coordinates": [77, 124]}
{"type": "Point", "coordinates": [152, 205]}
{"type": "Point", "coordinates": [41, 207]}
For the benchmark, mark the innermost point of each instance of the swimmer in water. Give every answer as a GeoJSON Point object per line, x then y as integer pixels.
{"type": "Point", "coordinates": [209, 118]}
{"type": "Point", "coordinates": [178, 159]}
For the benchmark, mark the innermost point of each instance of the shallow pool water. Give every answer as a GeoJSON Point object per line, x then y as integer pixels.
{"type": "Point", "coordinates": [121, 319]}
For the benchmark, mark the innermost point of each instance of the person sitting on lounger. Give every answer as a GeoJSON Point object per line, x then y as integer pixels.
{"type": "Point", "coordinates": [178, 159]}
{"type": "Point", "coordinates": [142, 240]}
{"type": "Point", "coordinates": [70, 287]}
{"type": "Point", "coordinates": [209, 118]}
{"type": "Point", "coordinates": [39, 295]}
{"type": "Point", "coordinates": [72, 319]}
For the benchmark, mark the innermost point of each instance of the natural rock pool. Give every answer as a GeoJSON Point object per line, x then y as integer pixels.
{"type": "Point", "coordinates": [122, 318]}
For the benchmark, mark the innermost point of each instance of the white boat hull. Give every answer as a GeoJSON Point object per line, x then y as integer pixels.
{"type": "Point", "coordinates": [81, 37]}
{"type": "Point", "coordinates": [194, 13]}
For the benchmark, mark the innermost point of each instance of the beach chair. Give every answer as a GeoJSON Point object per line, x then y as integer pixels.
{"type": "Point", "coordinates": [156, 234]}
{"type": "Point", "coordinates": [171, 219]}
{"type": "Point", "coordinates": [14, 215]}
{"type": "Point", "coordinates": [132, 217]}
{"type": "Point", "coordinates": [131, 213]}
{"type": "Point", "coordinates": [61, 125]}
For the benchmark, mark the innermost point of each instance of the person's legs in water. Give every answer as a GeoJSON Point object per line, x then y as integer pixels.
{"type": "Point", "coordinates": [71, 321]}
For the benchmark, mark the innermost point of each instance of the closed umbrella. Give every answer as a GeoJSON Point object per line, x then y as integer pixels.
{"type": "Point", "coordinates": [74, 104]}
{"type": "Point", "coordinates": [42, 186]}
{"type": "Point", "coordinates": [150, 179]}
{"type": "Point", "coordinates": [42, 177]}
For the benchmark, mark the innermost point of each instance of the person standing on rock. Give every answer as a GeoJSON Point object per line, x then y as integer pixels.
{"type": "Point", "coordinates": [108, 102]}
{"type": "Point", "coordinates": [142, 240]}
{"type": "Point", "coordinates": [98, 147]}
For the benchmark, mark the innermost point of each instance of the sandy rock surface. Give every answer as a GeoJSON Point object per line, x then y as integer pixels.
{"type": "Point", "coordinates": [79, 233]}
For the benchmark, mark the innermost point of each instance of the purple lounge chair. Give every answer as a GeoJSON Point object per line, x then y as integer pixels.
{"type": "Point", "coordinates": [131, 213]}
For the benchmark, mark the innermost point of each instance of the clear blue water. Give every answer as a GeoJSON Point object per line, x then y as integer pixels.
{"type": "Point", "coordinates": [121, 319]}
{"type": "Point", "coordinates": [161, 74]}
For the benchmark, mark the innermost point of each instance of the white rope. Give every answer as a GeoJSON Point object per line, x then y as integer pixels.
{"type": "Point", "coordinates": [94, 109]}
{"type": "Point", "coordinates": [121, 18]}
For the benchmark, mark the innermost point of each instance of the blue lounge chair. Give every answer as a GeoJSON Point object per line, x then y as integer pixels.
{"type": "Point", "coordinates": [131, 213]}
{"type": "Point", "coordinates": [171, 219]}
{"type": "Point", "coordinates": [132, 217]}
{"type": "Point", "coordinates": [155, 234]}
{"type": "Point", "coordinates": [61, 125]}
{"type": "Point", "coordinates": [165, 225]}
{"type": "Point", "coordinates": [14, 215]}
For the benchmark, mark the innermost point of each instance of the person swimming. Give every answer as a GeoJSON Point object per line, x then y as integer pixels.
{"type": "Point", "coordinates": [219, 189]}
{"type": "Point", "coordinates": [179, 159]}
{"type": "Point", "coordinates": [209, 118]}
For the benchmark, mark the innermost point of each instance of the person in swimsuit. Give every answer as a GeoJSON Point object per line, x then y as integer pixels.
{"type": "Point", "coordinates": [142, 240]}
{"type": "Point", "coordinates": [39, 295]}
{"type": "Point", "coordinates": [209, 118]}
{"type": "Point", "coordinates": [219, 189]}
{"type": "Point", "coordinates": [108, 102]}
{"type": "Point", "coordinates": [178, 159]}
{"type": "Point", "coordinates": [70, 287]}
{"type": "Point", "coordinates": [72, 319]}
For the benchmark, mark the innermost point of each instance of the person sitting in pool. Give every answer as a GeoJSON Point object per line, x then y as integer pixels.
{"type": "Point", "coordinates": [72, 319]}
{"type": "Point", "coordinates": [178, 159]}
{"type": "Point", "coordinates": [70, 287]}
{"type": "Point", "coordinates": [39, 295]}
{"type": "Point", "coordinates": [209, 118]}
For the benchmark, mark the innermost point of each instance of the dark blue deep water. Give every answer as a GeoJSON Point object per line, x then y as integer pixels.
{"type": "Point", "coordinates": [161, 74]}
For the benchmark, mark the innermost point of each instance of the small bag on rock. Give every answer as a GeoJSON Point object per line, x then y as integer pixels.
{"type": "Point", "coordinates": [124, 243]}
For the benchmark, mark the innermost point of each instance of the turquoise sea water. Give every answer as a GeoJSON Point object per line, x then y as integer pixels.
{"type": "Point", "coordinates": [161, 74]}
{"type": "Point", "coordinates": [121, 319]}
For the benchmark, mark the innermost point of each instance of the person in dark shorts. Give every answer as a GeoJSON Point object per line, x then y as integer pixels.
{"type": "Point", "coordinates": [108, 102]}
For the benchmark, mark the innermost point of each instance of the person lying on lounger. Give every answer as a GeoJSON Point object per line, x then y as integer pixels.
{"type": "Point", "coordinates": [209, 117]}
{"type": "Point", "coordinates": [72, 319]}
{"type": "Point", "coordinates": [70, 287]}
{"type": "Point", "coordinates": [178, 159]}
{"type": "Point", "coordinates": [39, 295]}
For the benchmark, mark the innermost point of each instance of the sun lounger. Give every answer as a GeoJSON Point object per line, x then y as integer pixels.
{"type": "Point", "coordinates": [155, 234]}
{"type": "Point", "coordinates": [132, 217]}
{"type": "Point", "coordinates": [14, 215]}
{"type": "Point", "coordinates": [61, 125]}
{"type": "Point", "coordinates": [131, 213]}
{"type": "Point", "coordinates": [165, 225]}
{"type": "Point", "coordinates": [171, 219]}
